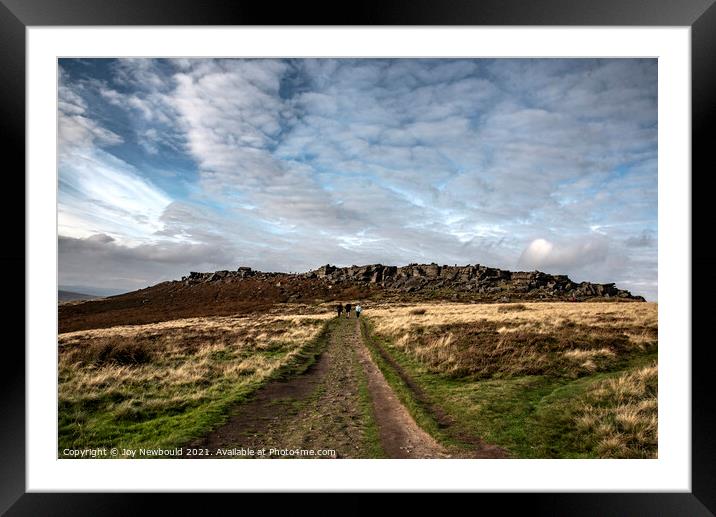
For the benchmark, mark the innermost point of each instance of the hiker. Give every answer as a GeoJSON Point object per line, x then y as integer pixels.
{"type": "Point", "coordinates": [348, 310]}
{"type": "Point", "coordinates": [358, 310]}
{"type": "Point", "coordinates": [339, 308]}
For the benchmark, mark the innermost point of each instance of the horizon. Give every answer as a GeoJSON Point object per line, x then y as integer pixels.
{"type": "Point", "coordinates": [168, 166]}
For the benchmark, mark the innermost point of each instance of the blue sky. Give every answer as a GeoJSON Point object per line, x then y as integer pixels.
{"type": "Point", "coordinates": [167, 166]}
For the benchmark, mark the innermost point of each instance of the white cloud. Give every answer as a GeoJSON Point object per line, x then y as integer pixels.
{"type": "Point", "coordinates": [545, 255]}
{"type": "Point", "coordinates": [75, 127]}
{"type": "Point", "coordinates": [99, 193]}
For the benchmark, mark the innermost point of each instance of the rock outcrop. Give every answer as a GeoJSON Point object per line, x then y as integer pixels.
{"type": "Point", "coordinates": [436, 281]}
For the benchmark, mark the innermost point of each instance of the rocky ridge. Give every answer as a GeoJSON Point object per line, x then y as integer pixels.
{"type": "Point", "coordinates": [433, 280]}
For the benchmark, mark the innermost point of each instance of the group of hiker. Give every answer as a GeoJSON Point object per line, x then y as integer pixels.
{"type": "Point", "coordinates": [340, 308]}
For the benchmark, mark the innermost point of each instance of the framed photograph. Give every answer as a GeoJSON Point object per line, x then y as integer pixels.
{"type": "Point", "coordinates": [436, 250]}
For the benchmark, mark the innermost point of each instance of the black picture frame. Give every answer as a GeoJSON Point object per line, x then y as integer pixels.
{"type": "Point", "coordinates": [17, 15]}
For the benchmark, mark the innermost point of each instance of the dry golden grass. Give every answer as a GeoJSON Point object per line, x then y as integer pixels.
{"type": "Point", "coordinates": [133, 374]}
{"type": "Point", "coordinates": [533, 316]}
{"type": "Point", "coordinates": [620, 415]}
{"type": "Point", "coordinates": [506, 340]}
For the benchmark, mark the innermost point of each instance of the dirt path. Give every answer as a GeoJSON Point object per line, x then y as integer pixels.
{"type": "Point", "coordinates": [400, 436]}
{"type": "Point", "coordinates": [332, 406]}
{"type": "Point", "coordinates": [321, 409]}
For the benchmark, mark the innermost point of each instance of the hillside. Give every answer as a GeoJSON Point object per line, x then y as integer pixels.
{"type": "Point", "coordinates": [245, 290]}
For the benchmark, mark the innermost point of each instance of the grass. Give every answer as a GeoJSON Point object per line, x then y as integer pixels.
{"type": "Point", "coordinates": [618, 416]}
{"type": "Point", "coordinates": [160, 385]}
{"type": "Point", "coordinates": [487, 341]}
{"type": "Point", "coordinates": [545, 381]}
{"type": "Point", "coordinates": [512, 307]}
{"type": "Point", "coordinates": [372, 447]}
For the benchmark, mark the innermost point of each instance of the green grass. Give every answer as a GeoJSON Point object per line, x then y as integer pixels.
{"type": "Point", "coordinates": [372, 447]}
{"type": "Point", "coordinates": [530, 416]}
{"type": "Point", "coordinates": [139, 416]}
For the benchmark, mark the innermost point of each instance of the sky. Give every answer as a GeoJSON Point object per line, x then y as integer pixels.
{"type": "Point", "coordinates": [167, 166]}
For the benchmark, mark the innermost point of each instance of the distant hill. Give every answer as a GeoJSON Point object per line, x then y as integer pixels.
{"type": "Point", "coordinates": [245, 290]}
{"type": "Point", "coordinates": [69, 296]}
{"type": "Point", "coordinates": [97, 292]}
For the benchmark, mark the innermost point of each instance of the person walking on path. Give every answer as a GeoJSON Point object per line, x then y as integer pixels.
{"type": "Point", "coordinates": [359, 309]}
{"type": "Point", "coordinates": [339, 308]}
{"type": "Point", "coordinates": [348, 310]}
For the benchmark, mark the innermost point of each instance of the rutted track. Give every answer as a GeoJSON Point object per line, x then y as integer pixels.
{"type": "Point", "coordinates": [322, 409]}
